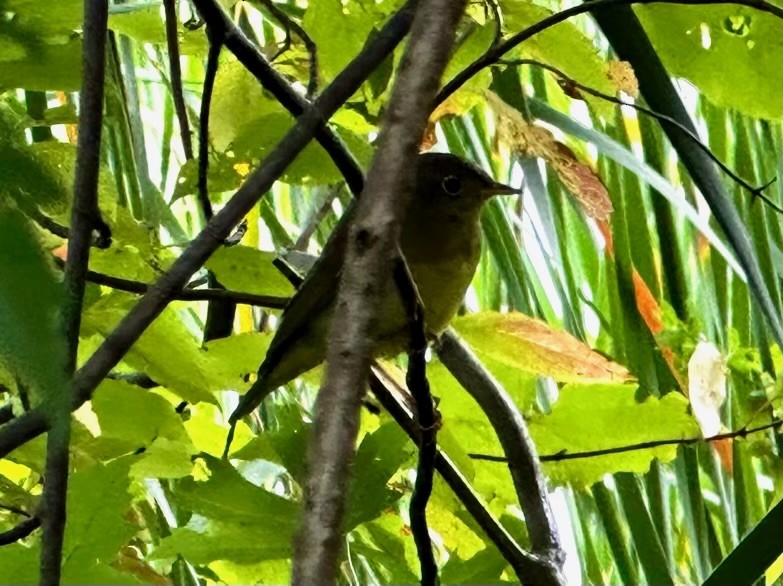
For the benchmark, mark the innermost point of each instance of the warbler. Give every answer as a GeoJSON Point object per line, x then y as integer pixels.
{"type": "Point", "coordinates": [440, 238]}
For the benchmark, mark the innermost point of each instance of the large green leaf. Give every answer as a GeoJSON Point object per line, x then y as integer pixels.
{"type": "Point", "coordinates": [380, 456]}
{"type": "Point", "coordinates": [247, 122]}
{"type": "Point", "coordinates": [37, 48]}
{"type": "Point", "coordinates": [31, 342]}
{"type": "Point", "coordinates": [249, 270]}
{"type": "Point", "coordinates": [563, 46]}
{"type": "Point", "coordinates": [250, 526]}
{"type": "Point", "coordinates": [592, 417]}
{"type": "Point", "coordinates": [732, 54]}
{"type": "Point", "coordinates": [170, 353]}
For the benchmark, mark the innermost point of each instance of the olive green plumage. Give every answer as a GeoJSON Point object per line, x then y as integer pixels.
{"type": "Point", "coordinates": [441, 240]}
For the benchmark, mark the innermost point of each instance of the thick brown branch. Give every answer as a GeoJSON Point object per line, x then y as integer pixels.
{"type": "Point", "coordinates": [372, 239]}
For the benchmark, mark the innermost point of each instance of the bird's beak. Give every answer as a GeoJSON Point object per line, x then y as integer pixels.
{"type": "Point", "coordinates": [497, 188]}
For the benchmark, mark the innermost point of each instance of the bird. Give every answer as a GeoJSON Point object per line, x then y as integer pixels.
{"type": "Point", "coordinates": [440, 238]}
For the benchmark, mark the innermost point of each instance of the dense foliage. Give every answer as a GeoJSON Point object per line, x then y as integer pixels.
{"type": "Point", "coordinates": [613, 301]}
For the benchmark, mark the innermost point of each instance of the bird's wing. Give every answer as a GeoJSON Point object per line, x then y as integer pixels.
{"type": "Point", "coordinates": [313, 296]}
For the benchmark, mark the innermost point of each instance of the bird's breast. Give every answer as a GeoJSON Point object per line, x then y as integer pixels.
{"type": "Point", "coordinates": [442, 259]}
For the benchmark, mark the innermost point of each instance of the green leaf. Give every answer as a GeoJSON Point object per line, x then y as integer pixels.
{"type": "Point", "coordinates": [732, 54]}
{"type": "Point", "coordinates": [135, 418]}
{"type": "Point", "coordinates": [248, 503]}
{"type": "Point", "coordinates": [48, 67]}
{"type": "Point", "coordinates": [249, 270]}
{"type": "Point", "coordinates": [167, 351]}
{"type": "Point", "coordinates": [165, 458]}
{"type": "Point", "coordinates": [31, 342]}
{"type": "Point", "coordinates": [222, 176]}
{"type": "Point", "coordinates": [129, 413]}
{"type": "Point", "coordinates": [483, 568]}
{"type": "Point", "coordinates": [19, 564]}
{"type": "Point", "coordinates": [234, 359]}
{"type": "Point", "coordinates": [249, 526]}
{"type": "Point", "coordinates": [98, 500]}
{"type": "Point", "coordinates": [380, 456]}
{"type": "Point", "coordinates": [563, 46]}
{"type": "Point", "coordinates": [39, 49]}
{"type": "Point", "coordinates": [613, 409]}
{"type": "Point", "coordinates": [471, 48]}
{"type": "Point", "coordinates": [532, 346]}
{"type": "Point", "coordinates": [243, 543]}
{"type": "Point", "coordinates": [339, 31]}
{"type": "Point", "coordinates": [247, 122]}
{"type": "Point", "coordinates": [146, 25]}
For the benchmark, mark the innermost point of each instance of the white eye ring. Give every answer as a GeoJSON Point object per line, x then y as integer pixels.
{"type": "Point", "coordinates": [452, 185]}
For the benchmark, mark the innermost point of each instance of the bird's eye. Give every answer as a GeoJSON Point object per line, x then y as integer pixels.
{"type": "Point", "coordinates": [452, 185]}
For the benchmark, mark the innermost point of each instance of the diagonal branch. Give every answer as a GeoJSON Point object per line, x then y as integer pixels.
{"type": "Point", "coordinates": [33, 423]}
{"type": "Point", "coordinates": [523, 461]}
{"type": "Point", "coordinates": [20, 531]}
{"type": "Point", "coordinates": [529, 568]}
{"type": "Point", "coordinates": [368, 265]}
{"type": "Point", "coordinates": [85, 217]}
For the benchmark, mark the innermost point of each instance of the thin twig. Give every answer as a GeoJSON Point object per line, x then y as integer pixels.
{"type": "Point", "coordinates": [492, 5]}
{"type": "Point", "coordinates": [267, 301]}
{"type": "Point", "coordinates": [137, 379]}
{"type": "Point", "coordinates": [249, 55]}
{"type": "Point", "coordinates": [689, 441]}
{"type": "Point", "coordinates": [756, 192]}
{"type": "Point", "coordinates": [15, 510]}
{"type": "Point", "coordinates": [368, 263]}
{"type": "Point", "coordinates": [33, 423]}
{"type": "Point", "coordinates": [523, 463]}
{"type": "Point", "coordinates": [419, 387]}
{"type": "Point", "coordinates": [101, 237]}
{"type": "Point", "coordinates": [496, 53]}
{"type": "Point", "coordinates": [304, 237]}
{"type": "Point", "coordinates": [175, 71]}
{"type": "Point", "coordinates": [85, 216]}
{"type": "Point", "coordinates": [188, 293]}
{"type": "Point", "coordinates": [289, 24]}
{"type": "Point", "coordinates": [210, 73]}
{"type": "Point", "coordinates": [22, 530]}
{"type": "Point", "coordinates": [220, 314]}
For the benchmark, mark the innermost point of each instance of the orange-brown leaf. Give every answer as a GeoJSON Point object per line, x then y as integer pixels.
{"type": "Point", "coordinates": [534, 346]}
{"type": "Point", "coordinates": [534, 141]}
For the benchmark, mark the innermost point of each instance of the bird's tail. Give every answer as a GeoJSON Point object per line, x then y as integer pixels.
{"type": "Point", "coordinates": [254, 396]}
